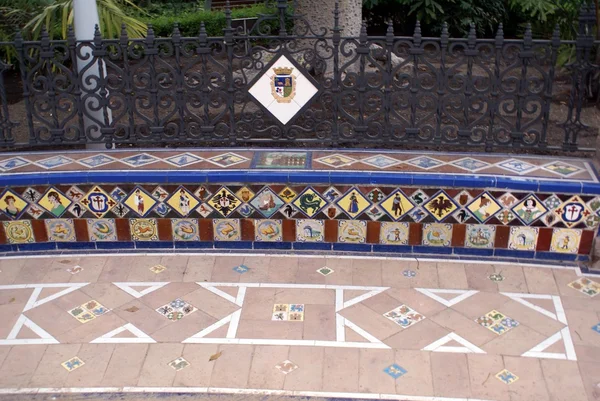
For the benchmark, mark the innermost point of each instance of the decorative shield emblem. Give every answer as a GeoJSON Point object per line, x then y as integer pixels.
{"type": "Point", "coordinates": [283, 85]}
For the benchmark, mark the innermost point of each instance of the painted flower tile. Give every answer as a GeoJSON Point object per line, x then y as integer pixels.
{"type": "Point", "coordinates": [286, 366]}
{"type": "Point", "coordinates": [404, 316]}
{"type": "Point", "coordinates": [497, 322]}
{"type": "Point", "coordinates": [586, 286]}
{"type": "Point", "coordinates": [158, 269]}
{"type": "Point", "coordinates": [88, 311]}
{"type": "Point", "coordinates": [506, 377]}
{"type": "Point", "coordinates": [241, 269]}
{"type": "Point", "coordinates": [395, 370]}
{"type": "Point", "coordinates": [176, 309]}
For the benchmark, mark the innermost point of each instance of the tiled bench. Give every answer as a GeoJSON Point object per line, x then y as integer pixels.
{"type": "Point", "coordinates": [459, 205]}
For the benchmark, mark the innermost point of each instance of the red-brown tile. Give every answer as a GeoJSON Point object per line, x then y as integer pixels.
{"type": "Point", "coordinates": [39, 230]}
{"type": "Point", "coordinates": [331, 230]}
{"type": "Point", "coordinates": [165, 230]}
{"type": "Point", "coordinates": [206, 230]}
{"type": "Point", "coordinates": [289, 230]}
{"type": "Point", "coordinates": [247, 229]}
{"type": "Point", "coordinates": [123, 229]}
{"type": "Point", "coordinates": [373, 228]}
{"type": "Point", "coordinates": [458, 235]}
{"type": "Point", "coordinates": [3, 239]}
{"type": "Point", "coordinates": [587, 242]}
{"type": "Point", "coordinates": [81, 231]}
{"type": "Point", "coordinates": [502, 234]}
{"type": "Point", "coordinates": [415, 234]}
{"type": "Point", "coordinates": [544, 239]}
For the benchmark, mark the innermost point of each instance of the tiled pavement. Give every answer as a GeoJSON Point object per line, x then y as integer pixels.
{"type": "Point", "coordinates": [363, 328]}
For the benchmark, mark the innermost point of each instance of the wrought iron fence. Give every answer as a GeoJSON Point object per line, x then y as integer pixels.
{"type": "Point", "coordinates": [390, 91]}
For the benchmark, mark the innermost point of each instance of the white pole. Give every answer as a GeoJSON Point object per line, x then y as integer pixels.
{"type": "Point", "coordinates": [85, 20]}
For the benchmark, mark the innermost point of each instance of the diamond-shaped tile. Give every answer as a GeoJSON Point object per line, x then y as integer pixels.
{"type": "Point", "coordinates": [202, 193]}
{"type": "Point", "coordinates": [336, 160]}
{"type": "Point", "coordinates": [374, 212]}
{"type": "Point", "coordinates": [425, 162]}
{"type": "Point", "coordinates": [573, 211]}
{"type": "Point", "coordinates": [224, 202]}
{"type": "Point", "coordinates": [586, 286]}
{"type": "Point", "coordinates": [419, 197]}
{"type": "Point", "coordinates": [505, 216]}
{"type": "Point", "coordinates": [418, 214]}
{"type": "Point", "coordinates": [98, 202]}
{"type": "Point", "coordinates": [404, 316]}
{"type": "Point", "coordinates": [529, 209]}
{"type": "Point", "coordinates": [380, 161]}
{"type": "Point", "coordinates": [179, 363]}
{"type": "Point", "coordinates": [182, 160]}
{"type": "Point", "coordinates": [286, 366]}
{"type": "Point", "coordinates": [53, 162]}
{"type": "Point", "coordinates": [241, 269]}
{"type": "Point", "coordinates": [204, 209]}
{"type": "Point", "coordinates": [245, 194]}
{"type": "Point", "coordinates": [13, 163]}
{"type": "Point", "coordinates": [562, 168]}
{"type": "Point", "coordinates": [497, 322]}
{"type": "Point", "coordinates": [77, 210]}
{"type": "Point", "coordinates": [96, 160]}
{"type": "Point", "coordinates": [140, 202]}
{"type": "Point", "coordinates": [325, 271]}
{"type": "Point", "coordinates": [160, 194]}
{"type": "Point", "coordinates": [309, 202]}
{"type": "Point", "coordinates": [507, 200]}
{"type": "Point", "coordinates": [182, 201]}
{"type": "Point", "coordinates": [158, 269]}
{"type": "Point", "coordinates": [331, 194]}
{"type": "Point", "coordinates": [596, 328]}
{"type": "Point", "coordinates": [120, 210]}
{"type": "Point", "coordinates": [31, 195]}
{"type": "Point", "coordinates": [470, 164]}
{"type": "Point", "coordinates": [484, 207]}
{"type": "Point", "coordinates": [288, 211]}
{"type": "Point", "coordinates": [552, 202]}
{"type": "Point", "coordinates": [440, 206]}
{"type": "Point", "coordinates": [353, 203]}
{"type": "Point", "coordinates": [517, 166]}
{"type": "Point", "coordinates": [227, 159]}
{"type": "Point", "coordinates": [397, 205]}
{"type": "Point", "coordinates": [395, 370]}
{"type": "Point", "coordinates": [245, 210]}
{"type": "Point", "coordinates": [140, 160]}
{"type": "Point", "coordinates": [176, 309]}
{"type": "Point", "coordinates": [282, 89]}
{"type": "Point", "coordinates": [287, 194]}
{"type": "Point", "coordinates": [506, 377]}
{"type": "Point", "coordinates": [267, 202]}
{"type": "Point", "coordinates": [12, 205]}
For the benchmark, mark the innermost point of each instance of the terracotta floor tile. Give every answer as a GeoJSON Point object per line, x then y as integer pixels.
{"type": "Point", "coordinates": [57, 272]}
{"type": "Point", "coordinates": [418, 379]}
{"type": "Point", "coordinates": [263, 373]}
{"type": "Point", "coordinates": [223, 269]}
{"type": "Point", "coordinates": [68, 301]}
{"type": "Point", "coordinates": [125, 365]}
{"type": "Point", "coordinates": [514, 279]}
{"type": "Point", "coordinates": [199, 268]}
{"type": "Point", "coordinates": [117, 269]}
{"type": "Point", "coordinates": [341, 370]}
{"type": "Point", "coordinates": [107, 294]}
{"type": "Point", "coordinates": [309, 375]}
{"type": "Point", "coordinates": [184, 328]}
{"type": "Point", "coordinates": [282, 270]}
{"type": "Point", "coordinates": [366, 272]}
{"type": "Point", "coordinates": [450, 382]}
{"type": "Point", "coordinates": [168, 293]}
{"type": "Point", "coordinates": [141, 316]}
{"type": "Point", "coordinates": [417, 301]}
{"type": "Point", "coordinates": [200, 370]}
{"type": "Point", "coordinates": [563, 380]}
{"type": "Point", "coordinates": [304, 296]}
{"type": "Point", "coordinates": [10, 269]}
{"type": "Point", "coordinates": [427, 276]}
{"type": "Point", "coordinates": [514, 342]}
{"type": "Point", "coordinates": [232, 369]}
{"type": "Point", "coordinates": [258, 303]}
{"type": "Point", "coordinates": [371, 377]}
{"type": "Point", "coordinates": [319, 322]}
{"type": "Point", "coordinates": [590, 375]}
{"type": "Point", "coordinates": [307, 271]}
{"type": "Point", "coordinates": [91, 330]}
{"type": "Point", "coordinates": [270, 329]}
{"type": "Point", "coordinates": [581, 304]}
{"type": "Point", "coordinates": [20, 364]}
{"type": "Point", "coordinates": [563, 278]}
{"type": "Point", "coordinates": [480, 304]}
{"type": "Point", "coordinates": [52, 319]}
{"type": "Point", "coordinates": [259, 269]}
{"type": "Point", "coordinates": [49, 372]}
{"type": "Point", "coordinates": [531, 384]}
{"type": "Point", "coordinates": [33, 271]}
{"type": "Point", "coordinates": [367, 319]}
{"type": "Point", "coordinates": [392, 273]}
{"type": "Point", "coordinates": [464, 327]}
{"type": "Point", "coordinates": [452, 275]}
{"type": "Point", "coordinates": [417, 336]}
{"type": "Point", "coordinates": [173, 273]}
{"type": "Point", "coordinates": [342, 271]}
{"type": "Point", "coordinates": [580, 324]}
{"type": "Point", "coordinates": [478, 277]}
{"type": "Point", "coordinates": [96, 358]}
{"type": "Point", "coordinates": [211, 304]}
{"type": "Point", "coordinates": [587, 353]}
{"type": "Point", "coordinates": [156, 371]}
{"type": "Point", "coordinates": [15, 297]}
{"type": "Point", "coordinates": [92, 269]}
{"type": "Point", "coordinates": [483, 383]}
{"type": "Point", "coordinates": [540, 281]}
{"type": "Point", "coordinates": [531, 318]}
{"type": "Point", "coordinates": [9, 314]}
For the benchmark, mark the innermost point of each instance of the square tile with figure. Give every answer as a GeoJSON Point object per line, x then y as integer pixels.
{"type": "Point", "coordinates": [506, 377]}
{"type": "Point", "coordinates": [288, 312]}
{"type": "Point", "coordinates": [72, 364]}
{"type": "Point", "coordinates": [176, 309]}
{"type": "Point", "coordinates": [404, 316]}
{"type": "Point", "coordinates": [496, 322]}
{"type": "Point", "coordinates": [586, 286]}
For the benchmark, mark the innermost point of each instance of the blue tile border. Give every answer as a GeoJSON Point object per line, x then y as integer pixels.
{"type": "Point", "coordinates": [299, 177]}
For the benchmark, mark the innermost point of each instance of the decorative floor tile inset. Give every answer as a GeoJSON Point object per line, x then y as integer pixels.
{"type": "Point", "coordinates": [158, 269]}
{"type": "Point", "coordinates": [336, 160]}
{"type": "Point", "coordinates": [286, 366]}
{"type": "Point", "coordinates": [88, 311]}
{"type": "Point", "coordinates": [72, 364]}
{"type": "Point", "coordinates": [380, 161]}
{"type": "Point", "coordinates": [325, 271]}
{"type": "Point", "coordinates": [241, 269]}
{"type": "Point", "coordinates": [395, 370]}
{"type": "Point", "coordinates": [404, 316]}
{"type": "Point", "coordinates": [586, 286]}
{"type": "Point", "coordinates": [596, 328]}
{"type": "Point", "coordinates": [496, 322]}
{"type": "Point", "coordinates": [506, 377]}
{"type": "Point", "coordinates": [75, 269]}
{"type": "Point", "coordinates": [179, 364]}
{"type": "Point", "coordinates": [176, 309]}
{"type": "Point", "coordinates": [496, 277]}
{"type": "Point", "coordinates": [288, 312]}
{"type": "Point", "coordinates": [409, 273]}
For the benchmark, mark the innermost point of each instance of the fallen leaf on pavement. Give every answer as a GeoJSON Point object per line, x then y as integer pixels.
{"type": "Point", "coordinates": [215, 356]}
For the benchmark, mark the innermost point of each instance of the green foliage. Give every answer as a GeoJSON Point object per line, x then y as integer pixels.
{"type": "Point", "coordinates": [545, 14]}
{"type": "Point", "coordinates": [214, 21]}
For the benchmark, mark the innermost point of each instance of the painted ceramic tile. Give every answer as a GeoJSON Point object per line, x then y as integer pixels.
{"type": "Point", "coordinates": [552, 202]}
{"type": "Point", "coordinates": [95, 308]}
{"type": "Point", "coordinates": [404, 316]}
{"type": "Point", "coordinates": [419, 197]}
{"type": "Point", "coordinates": [380, 161]}
{"type": "Point", "coordinates": [592, 221]}
{"type": "Point", "coordinates": [31, 195]}
{"type": "Point", "coordinates": [436, 234]}
{"type": "Point", "coordinates": [523, 238]}
{"type": "Point", "coordinates": [325, 271]}
{"type": "Point", "coordinates": [353, 203]}
{"type": "Point", "coordinates": [517, 166]}
{"type": "Point", "coordinates": [268, 230]}
{"type": "Point", "coordinates": [376, 195]}
{"type": "Point", "coordinates": [506, 377]}
{"type": "Point", "coordinates": [287, 194]}
{"type": "Point", "coordinates": [183, 160]}
{"type": "Point", "coordinates": [507, 200]}
{"type": "Point", "coordinates": [183, 202]}
{"type": "Point", "coordinates": [440, 206]}
{"type": "Point", "coordinates": [161, 209]}
{"type": "Point", "coordinates": [354, 231]}
{"type": "Point", "coordinates": [120, 210]}
{"type": "Point", "coordinates": [224, 202]}
{"type": "Point", "coordinates": [18, 232]}
{"type": "Point", "coordinates": [281, 160]}
{"type": "Point", "coordinates": [565, 240]}
{"type": "Point", "coordinates": [98, 202]}
{"type": "Point", "coordinates": [179, 363]}
{"type": "Point", "coordinates": [596, 328]}
{"type": "Point", "coordinates": [336, 160]}
{"type": "Point", "coordinates": [586, 286]}
{"type": "Point", "coordinates": [288, 312]}
{"type": "Point", "coordinates": [395, 371]}
{"type": "Point", "coordinates": [176, 309]}
{"type": "Point", "coordinates": [13, 163]}
{"type": "Point", "coordinates": [393, 233]}
{"type": "Point", "coordinates": [245, 210]}
{"type": "Point", "coordinates": [82, 314]}
{"type": "Point", "coordinates": [202, 193]}
{"type": "Point", "coordinates": [12, 205]}
{"type": "Point", "coordinates": [227, 159]}
{"type": "Point", "coordinates": [480, 236]}
{"type": "Point", "coordinates": [484, 207]}
{"type": "Point", "coordinates": [288, 211]}
{"type": "Point", "coordinates": [60, 230]}
{"type": "Point", "coordinates": [332, 211]}
{"type": "Point", "coordinates": [34, 211]}
{"type": "Point", "coordinates": [310, 230]}
{"type": "Point", "coordinates": [72, 364]}
{"type": "Point", "coordinates": [267, 202]}
{"type": "Point", "coordinates": [309, 202]}
{"type": "Point", "coordinates": [461, 215]}
{"type": "Point", "coordinates": [77, 210]}
{"type": "Point", "coordinates": [562, 168]}
{"type": "Point", "coordinates": [573, 211]}
{"type": "Point", "coordinates": [331, 194]}
{"type": "Point", "coordinates": [139, 160]}
{"type": "Point", "coordinates": [160, 194]}
{"type": "Point", "coordinates": [227, 229]}
{"type": "Point", "coordinates": [496, 322]}
{"type": "Point", "coordinates": [418, 214]}
{"type": "Point", "coordinates": [505, 216]}
{"type": "Point", "coordinates": [54, 202]}
{"type": "Point", "coordinates": [204, 210]}
{"type": "Point", "coordinates": [75, 269]}
{"type": "Point", "coordinates": [470, 164]}
{"type": "Point", "coordinates": [529, 209]}
{"type": "Point", "coordinates": [156, 269]}
{"type": "Point", "coordinates": [143, 229]}
{"type": "Point", "coordinates": [397, 205]}
{"type": "Point", "coordinates": [241, 269]}
{"type": "Point", "coordinates": [245, 194]}
{"type": "Point", "coordinates": [119, 195]}
{"type": "Point", "coordinates": [425, 162]}
{"type": "Point", "coordinates": [140, 202]}
{"type": "Point", "coordinates": [374, 212]}
{"type": "Point", "coordinates": [96, 160]}
{"type": "Point", "coordinates": [463, 198]}
{"type": "Point", "coordinates": [185, 230]}
{"type": "Point", "coordinates": [286, 366]}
